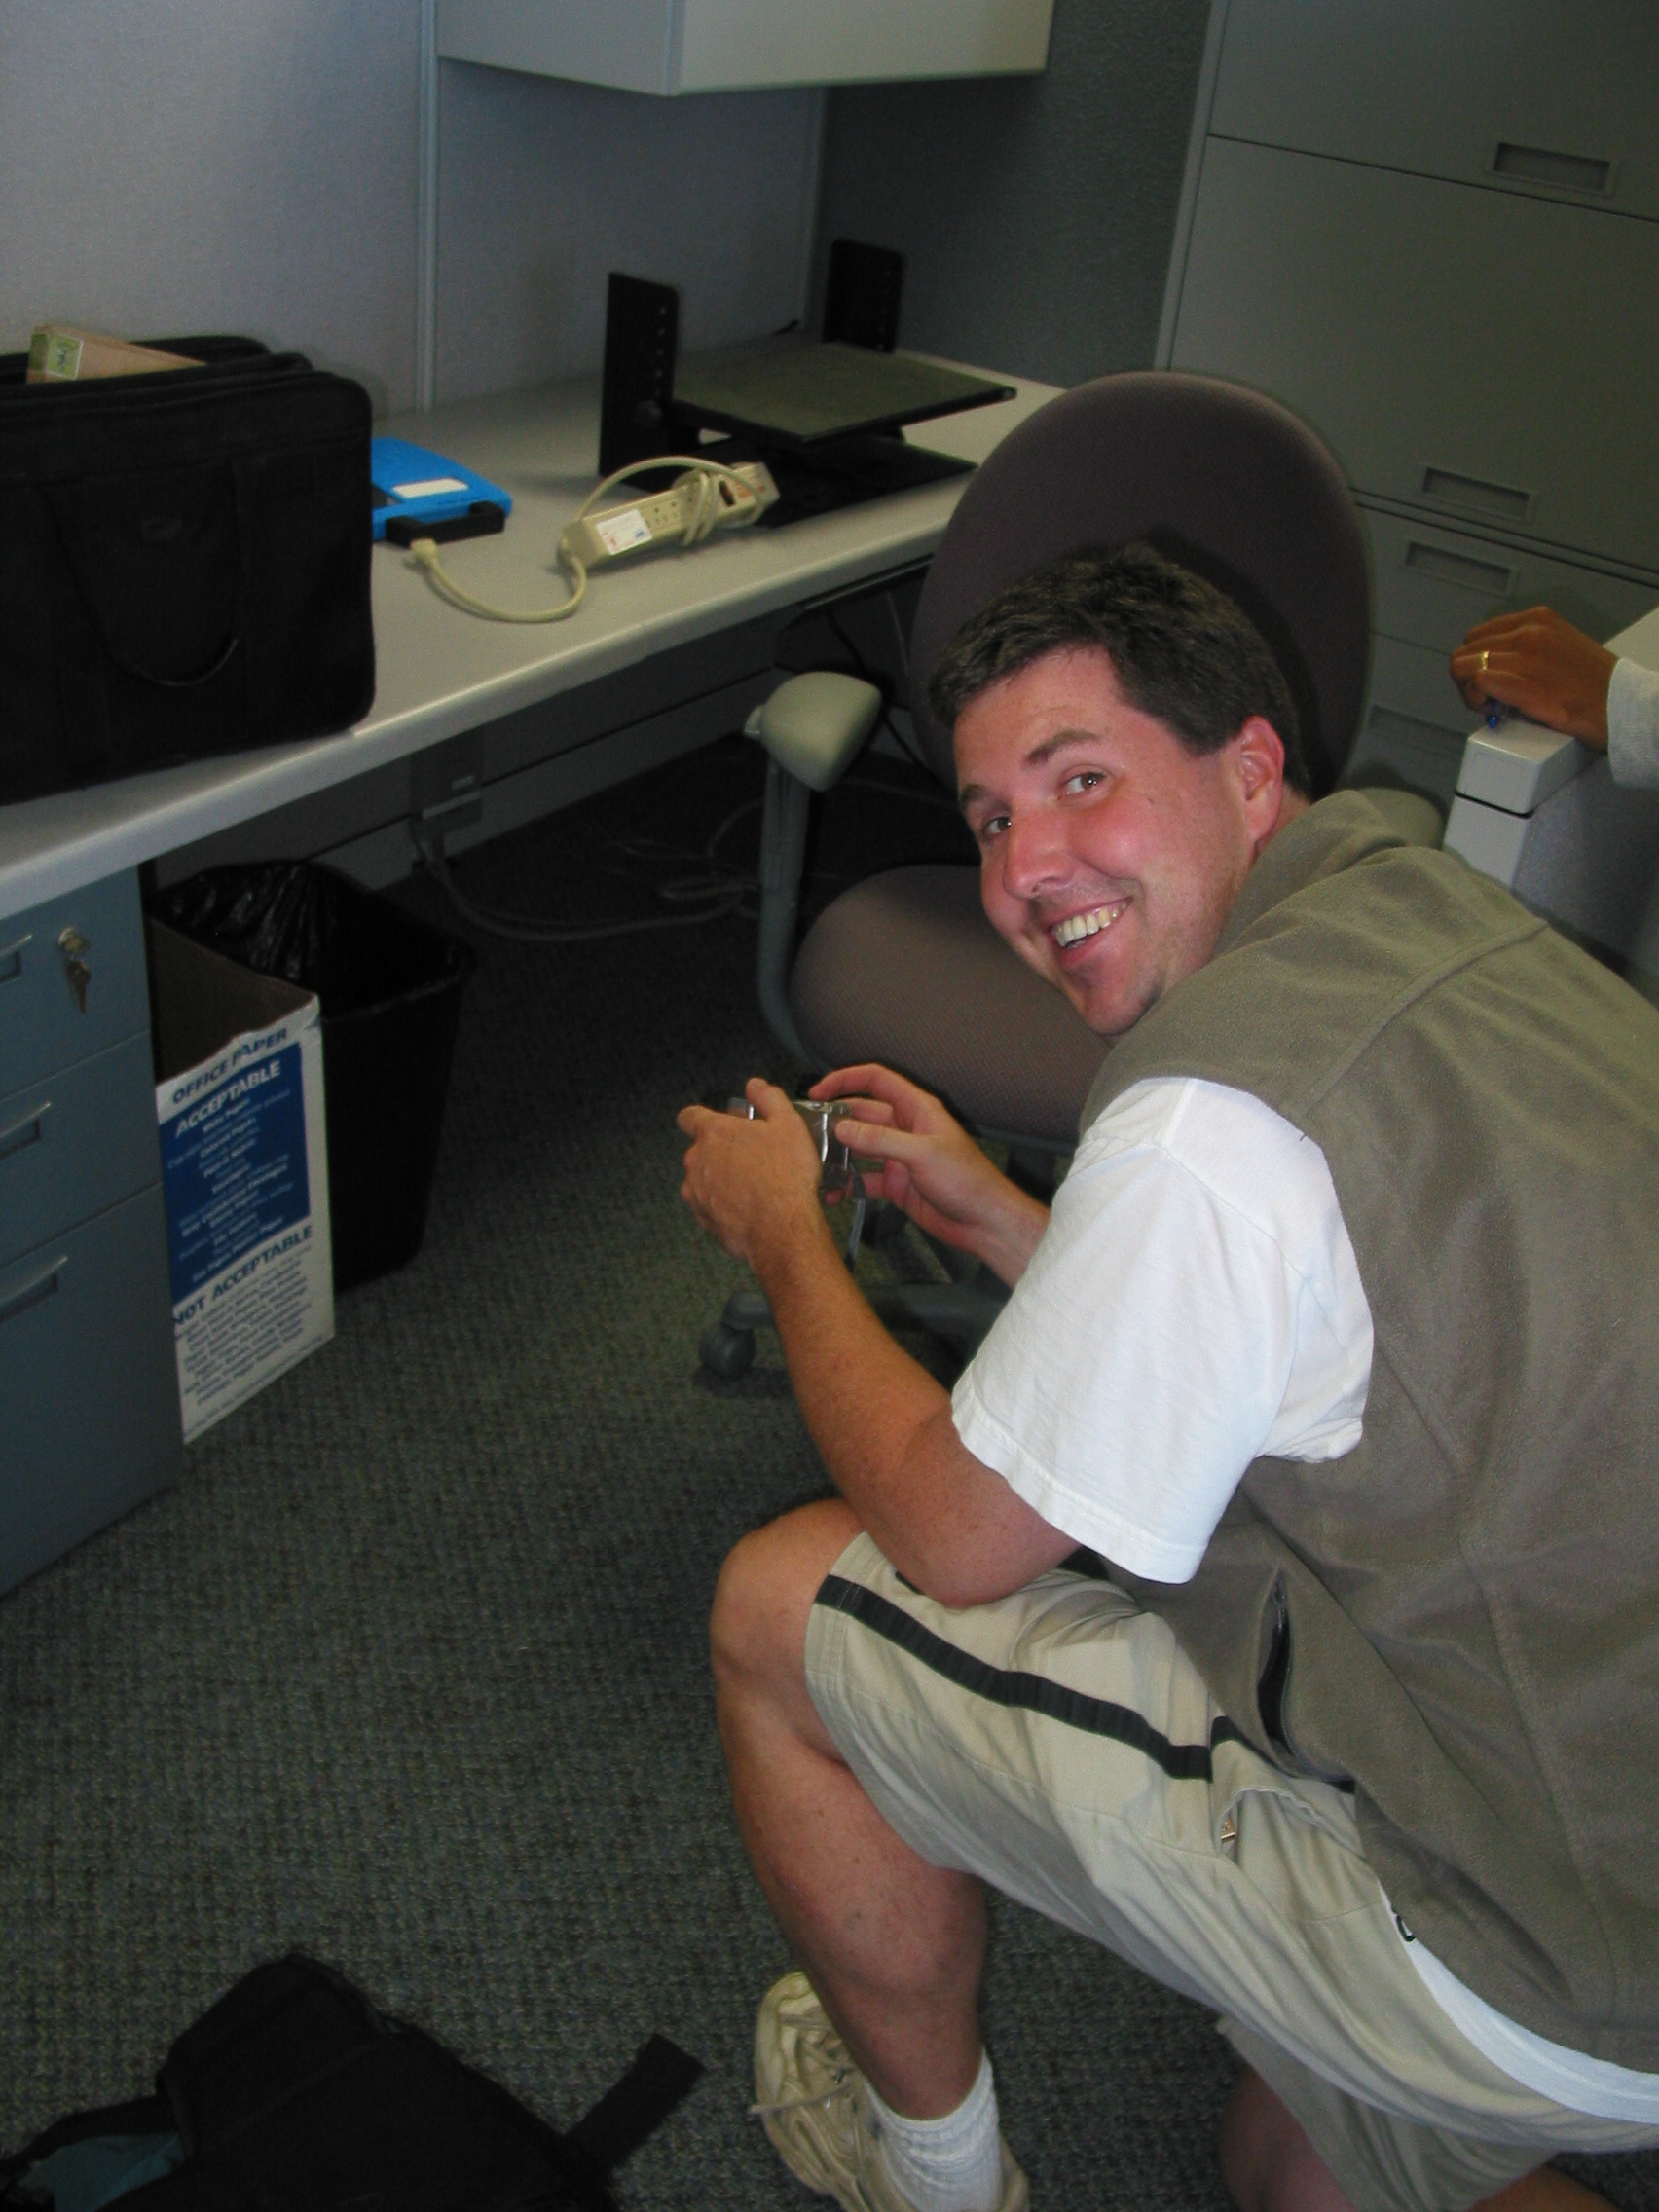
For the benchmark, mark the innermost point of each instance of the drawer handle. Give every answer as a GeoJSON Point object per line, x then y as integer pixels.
{"type": "Point", "coordinates": [12, 958]}
{"type": "Point", "coordinates": [1455, 491]}
{"type": "Point", "coordinates": [35, 1292]}
{"type": "Point", "coordinates": [31, 1129]}
{"type": "Point", "coordinates": [1537, 165]}
{"type": "Point", "coordinates": [1484, 576]}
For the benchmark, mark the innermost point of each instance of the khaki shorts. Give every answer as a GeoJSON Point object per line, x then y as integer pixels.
{"type": "Point", "coordinates": [1060, 1745]}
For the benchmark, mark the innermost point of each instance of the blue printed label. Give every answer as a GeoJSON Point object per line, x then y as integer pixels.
{"type": "Point", "coordinates": [235, 1170]}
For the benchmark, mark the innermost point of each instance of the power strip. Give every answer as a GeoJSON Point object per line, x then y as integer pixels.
{"type": "Point", "coordinates": [709, 496]}
{"type": "Point", "coordinates": [693, 505]}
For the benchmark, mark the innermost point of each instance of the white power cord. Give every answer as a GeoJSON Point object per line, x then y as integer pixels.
{"type": "Point", "coordinates": [426, 552]}
{"type": "Point", "coordinates": [691, 510]}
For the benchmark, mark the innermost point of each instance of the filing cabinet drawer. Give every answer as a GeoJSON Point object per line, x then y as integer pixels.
{"type": "Point", "coordinates": [1414, 680]}
{"type": "Point", "coordinates": [1433, 584]}
{"type": "Point", "coordinates": [1519, 95]}
{"type": "Point", "coordinates": [75, 1142]}
{"type": "Point", "coordinates": [1389, 311]}
{"type": "Point", "coordinates": [89, 1381]}
{"type": "Point", "coordinates": [1415, 725]}
{"type": "Point", "coordinates": [42, 1024]}
{"type": "Point", "coordinates": [1393, 749]}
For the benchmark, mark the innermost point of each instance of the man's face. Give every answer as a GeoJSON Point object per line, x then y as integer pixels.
{"type": "Point", "coordinates": [1109, 855]}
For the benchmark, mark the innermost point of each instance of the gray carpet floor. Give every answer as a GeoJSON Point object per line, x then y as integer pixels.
{"type": "Point", "coordinates": [409, 1671]}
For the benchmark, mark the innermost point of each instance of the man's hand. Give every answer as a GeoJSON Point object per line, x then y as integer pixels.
{"type": "Point", "coordinates": [1542, 667]}
{"type": "Point", "coordinates": [919, 1158]}
{"type": "Point", "coordinates": [753, 1185]}
{"type": "Point", "coordinates": [881, 1423]}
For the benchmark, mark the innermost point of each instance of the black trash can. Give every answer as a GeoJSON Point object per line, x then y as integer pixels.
{"type": "Point", "coordinates": [389, 989]}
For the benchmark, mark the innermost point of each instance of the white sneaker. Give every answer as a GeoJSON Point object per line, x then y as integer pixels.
{"type": "Point", "coordinates": [813, 2102]}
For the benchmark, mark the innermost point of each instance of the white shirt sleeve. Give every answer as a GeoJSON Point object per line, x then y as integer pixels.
{"type": "Point", "coordinates": [1633, 723]}
{"type": "Point", "coordinates": [1194, 1302]}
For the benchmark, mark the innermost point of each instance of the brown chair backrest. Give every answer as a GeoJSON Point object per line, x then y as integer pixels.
{"type": "Point", "coordinates": [1217, 477]}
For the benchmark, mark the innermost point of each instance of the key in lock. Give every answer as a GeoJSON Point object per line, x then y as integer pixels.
{"type": "Point", "coordinates": [73, 947]}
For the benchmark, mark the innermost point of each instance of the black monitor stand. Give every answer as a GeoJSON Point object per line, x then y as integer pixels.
{"type": "Point", "coordinates": [816, 468]}
{"type": "Point", "coordinates": [845, 472]}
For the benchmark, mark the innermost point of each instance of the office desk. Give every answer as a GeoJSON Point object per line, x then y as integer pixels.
{"type": "Point", "coordinates": [87, 1372]}
{"type": "Point", "coordinates": [442, 672]}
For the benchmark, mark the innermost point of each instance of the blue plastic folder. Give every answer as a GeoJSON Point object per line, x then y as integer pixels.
{"type": "Point", "coordinates": [425, 487]}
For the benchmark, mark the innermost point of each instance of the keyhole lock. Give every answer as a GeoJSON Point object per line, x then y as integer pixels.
{"type": "Point", "coordinates": [73, 945]}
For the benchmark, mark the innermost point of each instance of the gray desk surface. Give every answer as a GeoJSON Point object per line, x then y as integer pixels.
{"type": "Point", "coordinates": [442, 671]}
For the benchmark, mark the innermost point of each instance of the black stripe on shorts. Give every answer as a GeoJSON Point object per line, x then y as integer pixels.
{"type": "Point", "coordinates": [1032, 1693]}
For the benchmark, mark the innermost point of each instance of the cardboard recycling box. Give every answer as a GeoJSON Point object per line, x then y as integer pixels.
{"type": "Point", "coordinates": [244, 1173]}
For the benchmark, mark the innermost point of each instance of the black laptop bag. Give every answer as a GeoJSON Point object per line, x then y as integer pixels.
{"type": "Point", "coordinates": [294, 2094]}
{"type": "Point", "coordinates": [184, 564]}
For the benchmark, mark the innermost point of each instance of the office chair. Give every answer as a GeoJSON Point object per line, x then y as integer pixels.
{"type": "Point", "coordinates": [903, 968]}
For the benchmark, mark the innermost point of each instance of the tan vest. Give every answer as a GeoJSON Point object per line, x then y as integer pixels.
{"type": "Point", "coordinates": [1461, 1615]}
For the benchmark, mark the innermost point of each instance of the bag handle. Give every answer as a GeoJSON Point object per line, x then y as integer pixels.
{"type": "Point", "coordinates": [74, 554]}
{"type": "Point", "coordinates": [660, 2077]}
{"type": "Point", "coordinates": [168, 682]}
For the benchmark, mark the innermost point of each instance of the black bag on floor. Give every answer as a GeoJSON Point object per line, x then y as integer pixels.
{"type": "Point", "coordinates": [294, 2094]}
{"type": "Point", "coordinates": [184, 564]}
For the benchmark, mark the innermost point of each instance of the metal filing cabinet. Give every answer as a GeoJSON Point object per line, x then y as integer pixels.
{"type": "Point", "coordinates": [1434, 233]}
{"type": "Point", "coordinates": [88, 1382]}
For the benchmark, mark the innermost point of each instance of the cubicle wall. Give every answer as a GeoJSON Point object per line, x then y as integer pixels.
{"type": "Point", "coordinates": [255, 168]}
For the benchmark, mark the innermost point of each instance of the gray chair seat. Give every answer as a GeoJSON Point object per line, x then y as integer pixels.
{"type": "Point", "coordinates": [905, 968]}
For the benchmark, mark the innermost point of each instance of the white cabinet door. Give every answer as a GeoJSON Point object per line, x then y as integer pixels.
{"type": "Point", "coordinates": [703, 46]}
{"type": "Point", "coordinates": [1474, 353]}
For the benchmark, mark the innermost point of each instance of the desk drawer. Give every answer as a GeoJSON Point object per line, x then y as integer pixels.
{"type": "Point", "coordinates": [75, 1143]}
{"type": "Point", "coordinates": [42, 1024]}
{"type": "Point", "coordinates": [89, 1381]}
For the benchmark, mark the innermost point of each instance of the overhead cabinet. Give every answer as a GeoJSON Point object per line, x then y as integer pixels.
{"type": "Point", "coordinates": [709, 46]}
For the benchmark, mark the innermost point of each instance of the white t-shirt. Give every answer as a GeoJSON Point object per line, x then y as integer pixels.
{"type": "Point", "coordinates": [1633, 723]}
{"type": "Point", "coordinates": [1195, 1303]}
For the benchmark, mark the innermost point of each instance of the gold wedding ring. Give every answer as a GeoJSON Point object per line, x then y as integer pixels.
{"type": "Point", "coordinates": [1485, 657]}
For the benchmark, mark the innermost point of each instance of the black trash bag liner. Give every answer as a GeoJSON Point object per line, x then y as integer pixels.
{"type": "Point", "coordinates": [389, 989]}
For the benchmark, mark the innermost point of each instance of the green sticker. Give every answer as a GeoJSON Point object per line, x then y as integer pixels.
{"type": "Point", "coordinates": [60, 356]}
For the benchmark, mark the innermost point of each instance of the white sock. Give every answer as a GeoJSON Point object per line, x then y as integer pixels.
{"type": "Point", "coordinates": [952, 2164]}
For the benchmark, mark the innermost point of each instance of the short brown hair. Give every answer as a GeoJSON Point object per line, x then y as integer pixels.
{"type": "Point", "coordinates": [1182, 650]}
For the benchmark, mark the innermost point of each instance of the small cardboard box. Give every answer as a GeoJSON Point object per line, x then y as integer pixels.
{"type": "Point", "coordinates": [244, 1173]}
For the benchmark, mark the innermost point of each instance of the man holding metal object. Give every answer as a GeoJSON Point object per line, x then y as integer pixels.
{"type": "Point", "coordinates": [1275, 1599]}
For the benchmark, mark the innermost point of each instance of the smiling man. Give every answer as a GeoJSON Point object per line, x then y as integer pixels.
{"type": "Point", "coordinates": [1274, 1600]}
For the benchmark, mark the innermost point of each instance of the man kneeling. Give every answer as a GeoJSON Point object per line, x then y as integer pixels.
{"type": "Point", "coordinates": [1276, 1599]}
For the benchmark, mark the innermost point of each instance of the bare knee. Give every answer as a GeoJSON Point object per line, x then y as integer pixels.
{"type": "Point", "coordinates": [1267, 2161]}
{"type": "Point", "coordinates": [763, 1599]}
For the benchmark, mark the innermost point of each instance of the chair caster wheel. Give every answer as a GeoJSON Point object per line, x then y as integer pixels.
{"type": "Point", "coordinates": [726, 1352]}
